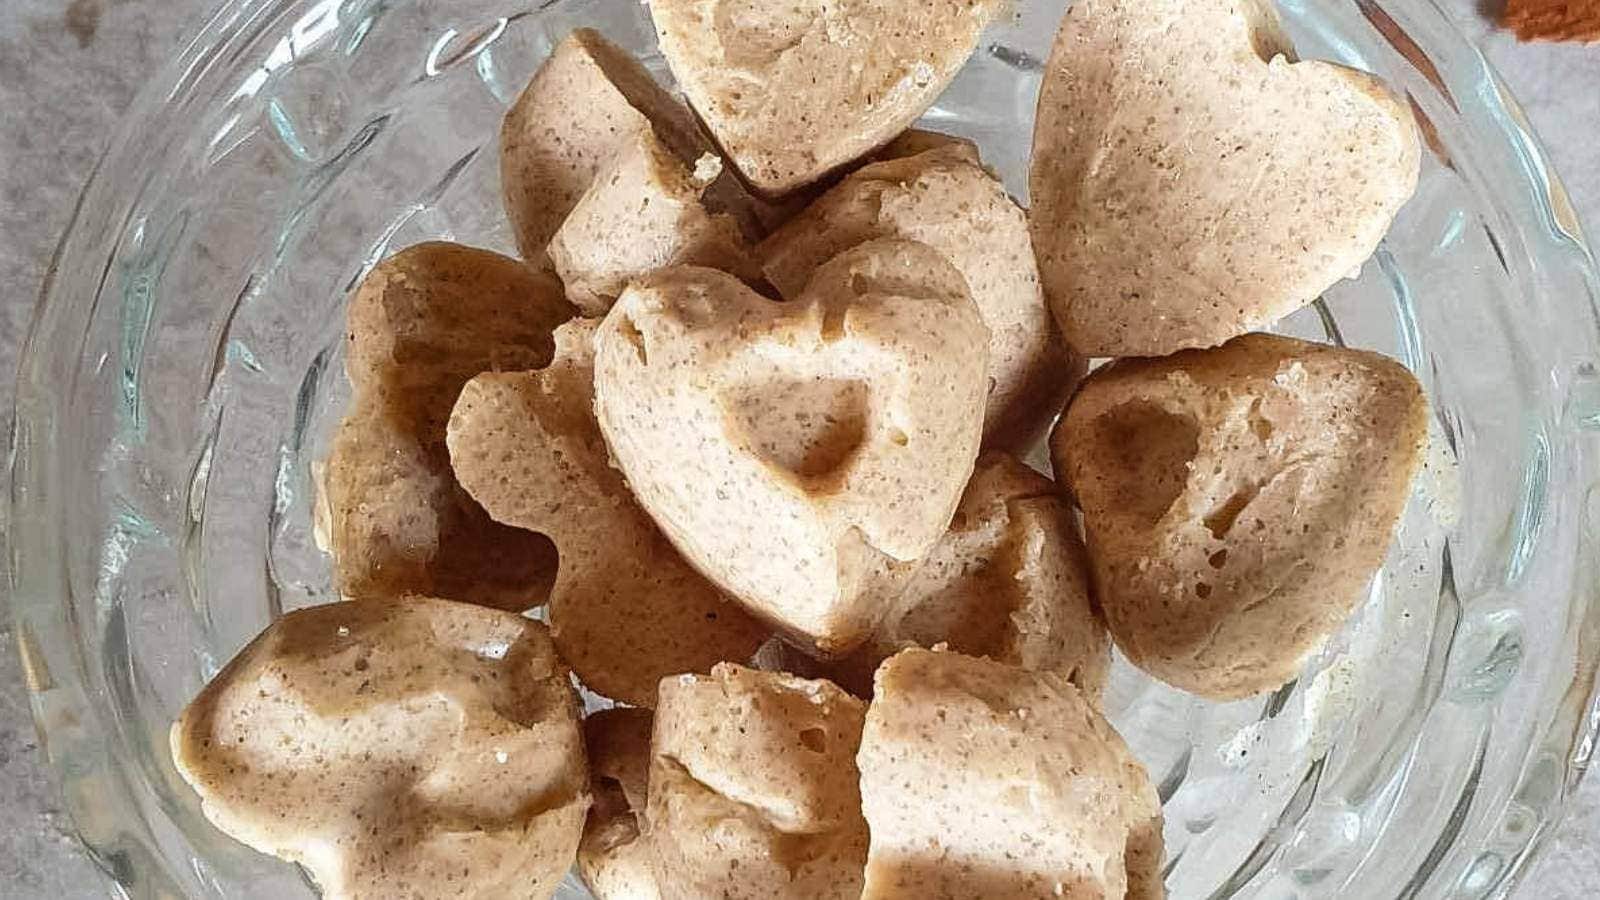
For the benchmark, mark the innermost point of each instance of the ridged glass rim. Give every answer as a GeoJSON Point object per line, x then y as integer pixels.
{"type": "Point", "coordinates": [45, 627]}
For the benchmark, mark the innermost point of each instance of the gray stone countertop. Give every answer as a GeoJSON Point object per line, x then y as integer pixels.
{"type": "Point", "coordinates": [69, 69]}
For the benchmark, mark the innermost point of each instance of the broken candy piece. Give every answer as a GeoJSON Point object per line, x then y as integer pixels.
{"type": "Point", "coordinates": [753, 791]}
{"type": "Point", "coordinates": [424, 321]}
{"type": "Point", "coordinates": [587, 98]}
{"type": "Point", "coordinates": [979, 779]}
{"type": "Point", "coordinates": [626, 609]}
{"type": "Point", "coordinates": [799, 454]}
{"type": "Point", "coordinates": [942, 197]}
{"type": "Point", "coordinates": [1239, 500]}
{"type": "Point", "coordinates": [408, 747]}
{"type": "Point", "coordinates": [614, 860]}
{"type": "Point", "coordinates": [793, 89]}
{"type": "Point", "coordinates": [1009, 580]}
{"type": "Point", "coordinates": [1191, 183]}
{"type": "Point", "coordinates": [641, 213]}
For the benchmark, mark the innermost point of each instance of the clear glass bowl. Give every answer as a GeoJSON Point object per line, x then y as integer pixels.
{"type": "Point", "coordinates": [185, 367]}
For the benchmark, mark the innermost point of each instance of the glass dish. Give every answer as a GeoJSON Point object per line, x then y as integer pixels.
{"type": "Point", "coordinates": [185, 366]}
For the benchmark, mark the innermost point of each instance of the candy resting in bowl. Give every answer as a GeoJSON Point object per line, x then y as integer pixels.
{"type": "Point", "coordinates": [184, 383]}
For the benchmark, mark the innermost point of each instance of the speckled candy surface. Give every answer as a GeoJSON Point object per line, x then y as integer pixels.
{"type": "Point", "coordinates": [423, 322]}
{"type": "Point", "coordinates": [980, 779]}
{"type": "Point", "coordinates": [799, 454]}
{"type": "Point", "coordinates": [944, 198]}
{"type": "Point", "coordinates": [396, 748]}
{"type": "Point", "coordinates": [566, 125]}
{"type": "Point", "coordinates": [1009, 581]}
{"type": "Point", "coordinates": [1190, 183]}
{"type": "Point", "coordinates": [642, 212]}
{"type": "Point", "coordinates": [626, 609]}
{"type": "Point", "coordinates": [753, 792]}
{"type": "Point", "coordinates": [793, 89]}
{"type": "Point", "coordinates": [1238, 500]}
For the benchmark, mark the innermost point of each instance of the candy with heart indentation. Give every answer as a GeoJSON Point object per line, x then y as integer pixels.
{"type": "Point", "coordinates": [396, 748]}
{"type": "Point", "coordinates": [1238, 500]}
{"type": "Point", "coordinates": [423, 322]}
{"type": "Point", "coordinates": [793, 89]}
{"type": "Point", "coordinates": [802, 454]}
{"type": "Point", "coordinates": [1191, 183]}
{"type": "Point", "coordinates": [626, 609]}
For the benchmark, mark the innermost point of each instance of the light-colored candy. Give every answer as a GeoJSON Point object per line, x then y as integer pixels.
{"type": "Point", "coordinates": [641, 213]}
{"type": "Point", "coordinates": [1009, 581]}
{"type": "Point", "coordinates": [626, 609]}
{"type": "Point", "coordinates": [753, 790]}
{"type": "Point", "coordinates": [583, 103]}
{"type": "Point", "coordinates": [979, 779]}
{"type": "Point", "coordinates": [1238, 500]}
{"type": "Point", "coordinates": [944, 198]}
{"type": "Point", "coordinates": [396, 748]}
{"type": "Point", "coordinates": [800, 454]}
{"type": "Point", "coordinates": [423, 322]}
{"type": "Point", "coordinates": [1191, 183]}
{"type": "Point", "coordinates": [793, 89]}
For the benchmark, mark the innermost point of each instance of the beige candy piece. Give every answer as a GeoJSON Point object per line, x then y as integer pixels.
{"type": "Point", "coordinates": [423, 322]}
{"type": "Point", "coordinates": [800, 454]}
{"type": "Point", "coordinates": [753, 792]}
{"type": "Point", "coordinates": [1009, 580]}
{"type": "Point", "coordinates": [395, 748]}
{"type": "Point", "coordinates": [944, 198]}
{"type": "Point", "coordinates": [1190, 182]}
{"type": "Point", "coordinates": [980, 779]}
{"type": "Point", "coordinates": [793, 89]}
{"type": "Point", "coordinates": [614, 861]}
{"type": "Point", "coordinates": [626, 609]}
{"type": "Point", "coordinates": [643, 212]}
{"type": "Point", "coordinates": [587, 98]}
{"type": "Point", "coordinates": [1238, 500]}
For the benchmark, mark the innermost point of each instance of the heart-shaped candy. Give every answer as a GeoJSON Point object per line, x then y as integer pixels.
{"type": "Point", "coordinates": [793, 89]}
{"type": "Point", "coordinates": [1191, 183]}
{"type": "Point", "coordinates": [799, 454]}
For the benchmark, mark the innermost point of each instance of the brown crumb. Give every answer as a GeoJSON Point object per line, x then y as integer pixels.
{"type": "Point", "coordinates": [1553, 20]}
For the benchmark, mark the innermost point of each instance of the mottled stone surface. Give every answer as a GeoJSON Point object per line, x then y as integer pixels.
{"type": "Point", "coordinates": [68, 68]}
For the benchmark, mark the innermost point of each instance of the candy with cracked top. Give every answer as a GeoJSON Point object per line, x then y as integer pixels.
{"type": "Point", "coordinates": [567, 124]}
{"type": "Point", "coordinates": [980, 779]}
{"type": "Point", "coordinates": [643, 212]}
{"type": "Point", "coordinates": [1238, 500]}
{"type": "Point", "coordinates": [753, 792]}
{"type": "Point", "coordinates": [1009, 580]}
